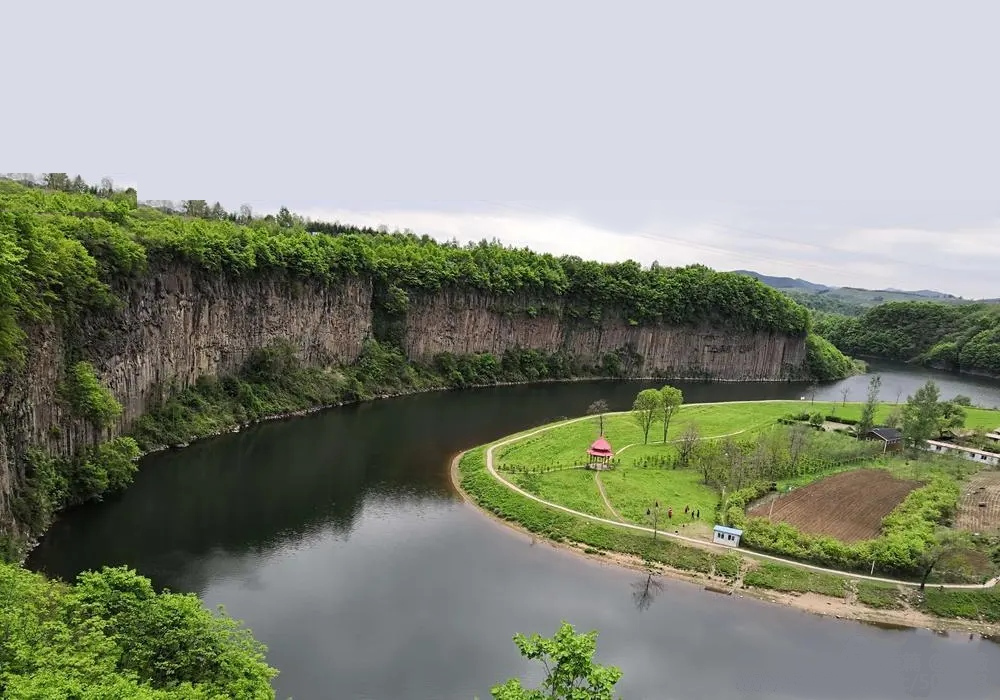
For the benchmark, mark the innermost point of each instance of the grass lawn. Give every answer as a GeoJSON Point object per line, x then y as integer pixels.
{"type": "Point", "coordinates": [879, 595]}
{"type": "Point", "coordinates": [721, 419]}
{"type": "Point", "coordinates": [567, 445]}
{"type": "Point", "coordinates": [779, 577]}
{"type": "Point", "coordinates": [573, 488]}
{"type": "Point", "coordinates": [633, 490]}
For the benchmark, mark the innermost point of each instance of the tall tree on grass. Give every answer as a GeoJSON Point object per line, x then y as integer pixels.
{"type": "Point", "coordinates": [671, 400]}
{"type": "Point", "coordinates": [570, 671]}
{"type": "Point", "coordinates": [867, 421]}
{"type": "Point", "coordinates": [598, 408]}
{"type": "Point", "coordinates": [921, 414]}
{"type": "Point", "coordinates": [951, 418]}
{"type": "Point", "coordinates": [688, 445]}
{"type": "Point", "coordinates": [645, 409]}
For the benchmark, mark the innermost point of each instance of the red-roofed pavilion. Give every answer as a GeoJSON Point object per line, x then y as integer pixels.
{"type": "Point", "coordinates": [600, 453]}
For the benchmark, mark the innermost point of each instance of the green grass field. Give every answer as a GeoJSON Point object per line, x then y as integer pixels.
{"type": "Point", "coordinates": [633, 490]}
{"type": "Point", "coordinates": [573, 488]}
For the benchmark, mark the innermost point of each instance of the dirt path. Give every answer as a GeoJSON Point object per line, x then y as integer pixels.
{"type": "Point", "coordinates": [604, 497]}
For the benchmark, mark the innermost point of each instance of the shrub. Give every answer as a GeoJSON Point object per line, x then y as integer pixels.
{"type": "Point", "coordinates": [88, 398]}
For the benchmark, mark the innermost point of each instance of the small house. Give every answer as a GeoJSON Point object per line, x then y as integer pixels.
{"type": "Point", "coordinates": [728, 536]}
{"type": "Point", "coordinates": [600, 454]}
{"type": "Point", "coordinates": [892, 439]}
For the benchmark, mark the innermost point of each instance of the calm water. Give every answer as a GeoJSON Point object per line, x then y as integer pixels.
{"type": "Point", "coordinates": [339, 539]}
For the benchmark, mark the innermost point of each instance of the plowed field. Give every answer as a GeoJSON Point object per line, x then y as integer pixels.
{"type": "Point", "coordinates": [984, 488]}
{"type": "Point", "coordinates": [848, 506]}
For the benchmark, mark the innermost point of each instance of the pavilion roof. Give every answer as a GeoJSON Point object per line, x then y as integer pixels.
{"type": "Point", "coordinates": [600, 448]}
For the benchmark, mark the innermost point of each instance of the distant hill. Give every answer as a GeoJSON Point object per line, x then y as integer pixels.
{"type": "Point", "coordinates": [784, 282]}
{"type": "Point", "coordinates": [850, 301]}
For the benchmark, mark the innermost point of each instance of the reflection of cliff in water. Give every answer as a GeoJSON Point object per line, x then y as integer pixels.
{"type": "Point", "coordinates": [244, 493]}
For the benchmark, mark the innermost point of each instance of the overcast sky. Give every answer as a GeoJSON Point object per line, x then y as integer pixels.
{"type": "Point", "coordinates": [849, 143]}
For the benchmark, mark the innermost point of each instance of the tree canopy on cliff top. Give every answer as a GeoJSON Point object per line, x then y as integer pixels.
{"type": "Point", "coordinates": [60, 251]}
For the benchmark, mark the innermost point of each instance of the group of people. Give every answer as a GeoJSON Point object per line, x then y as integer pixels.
{"type": "Point", "coordinates": [695, 514]}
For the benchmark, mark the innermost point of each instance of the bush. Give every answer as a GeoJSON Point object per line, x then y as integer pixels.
{"type": "Point", "coordinates": [88, 398]}
{"type": "Point", "coordinates": [111, 636]}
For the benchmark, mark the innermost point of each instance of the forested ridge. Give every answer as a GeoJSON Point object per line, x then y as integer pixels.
{"type": "Point", "coordinates": [960, 337]}
{"type": "Point", "coordinates": [62, 251]}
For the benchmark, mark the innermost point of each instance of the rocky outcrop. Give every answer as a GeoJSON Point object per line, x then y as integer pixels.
{"type": "Point", "coordinates": [177, 324]}
{"type": "Point", "coordinates": [461, 322]}
{"type": "Point", "coordinates": [174, 326]}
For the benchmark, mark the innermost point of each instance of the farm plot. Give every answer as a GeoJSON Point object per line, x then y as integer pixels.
{"type": "Point", "coordinates": [848, 506]}
{"type": "Point", "coordinates": [979, 507]}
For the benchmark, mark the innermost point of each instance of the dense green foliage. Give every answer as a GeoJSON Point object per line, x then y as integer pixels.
{"type": "Point", "coordinates": [570, 671]}
{"type": "Point", "coordinates": [952, 336]}
{"type": "Point", "coordinates": [88, 398]}
{"type": "Point", "coordinates": [967, 604]}
{"type": "Point", "coordinates": [826, 362]}
{"type": "Point", "coordinates": [62, 249]}
{"type": "Point", "coordinates": [112, 636]}
{"type": "Point", "coordinates": [52, 483]}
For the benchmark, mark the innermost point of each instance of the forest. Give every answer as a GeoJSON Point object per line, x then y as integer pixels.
{"type": "Point", "coordinates": [958, 337]}
{"type": "Point", "coordinates": [64, 251]}
{"type": "Point", "coordinates": [110, 635]}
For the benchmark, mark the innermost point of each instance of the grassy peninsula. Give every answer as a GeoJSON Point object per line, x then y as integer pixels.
{"type": "Point", "coordinates": [728, 461]}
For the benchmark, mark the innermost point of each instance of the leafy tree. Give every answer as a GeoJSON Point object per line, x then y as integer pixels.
{"type": "Point", "coordinates": [110, 635]}
{"type": "Point", "coordinates": [671, 400]}
{"type": "Point", "coordinates": [798, 442]}
{"type": "Point", "coordinates": [570, 671]}
{"type": "Point", "coordinates": [598, 408]}
{"type": "Point", "coordinates": [895, 418]}
{"type": "Point", "coordinates": [946, 543]}
{"type": "Point", "coordinates": [196, 207]}
{"type": "Point", "coordinates": [644, 409]}
{"type": "Point", "coordinates": [951, 418]}
{"type": "Point", "coordinates": [688, 445]}
{"type": "Point", "coordinates": [921, 415]}
{"type": "Point", "coordinates": [870, 408]}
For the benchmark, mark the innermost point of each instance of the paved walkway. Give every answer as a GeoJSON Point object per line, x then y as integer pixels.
{"type": "Point", "coordinates": [690, 540]}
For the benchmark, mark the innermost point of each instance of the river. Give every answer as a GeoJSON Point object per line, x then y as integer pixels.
{"type": "Point", "coordinates": [339, 539]}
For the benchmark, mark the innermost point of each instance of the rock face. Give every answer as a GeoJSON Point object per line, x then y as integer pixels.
{"type": "Point", "coordinates": [178, 324]}
{"type": "Point", "coordinates": [464, 322]}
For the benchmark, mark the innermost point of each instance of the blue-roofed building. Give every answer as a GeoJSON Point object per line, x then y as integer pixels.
{"type": "Point", "coordinates": [728, 536]}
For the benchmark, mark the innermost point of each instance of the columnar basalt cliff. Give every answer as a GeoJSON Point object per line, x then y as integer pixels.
{"type": "Point", "coordinates": [174, 326]}
{"type": "Point", "coordinates": [461, 322]}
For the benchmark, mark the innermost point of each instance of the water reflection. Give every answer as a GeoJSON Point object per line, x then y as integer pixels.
{"type": "Point", "coordinates": [645, 590]}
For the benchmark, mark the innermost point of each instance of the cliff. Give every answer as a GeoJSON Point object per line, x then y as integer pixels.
{"type": "Point", "coordinates": [175, 325]}
{"type": "Point", "coordinates": [468, 321]}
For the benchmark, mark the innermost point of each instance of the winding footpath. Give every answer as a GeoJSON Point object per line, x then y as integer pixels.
{"type": "Point", "coordinates": [689, 540]}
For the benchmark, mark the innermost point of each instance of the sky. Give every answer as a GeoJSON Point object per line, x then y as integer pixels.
{"type": "Point", "coordinates": [848, 143]}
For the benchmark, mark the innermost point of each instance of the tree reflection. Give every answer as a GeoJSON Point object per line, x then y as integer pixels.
{"type": "Point", "coordinates": [645, 590]}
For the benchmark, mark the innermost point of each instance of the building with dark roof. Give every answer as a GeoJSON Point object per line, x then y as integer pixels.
{"type": "Point", "coordinates": [891, 438]}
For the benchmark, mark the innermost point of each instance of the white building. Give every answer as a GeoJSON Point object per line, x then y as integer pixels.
{"type": "Point", "coordinates": [728, 536]}
{"type": "Point", "coordinates": [970, 453]}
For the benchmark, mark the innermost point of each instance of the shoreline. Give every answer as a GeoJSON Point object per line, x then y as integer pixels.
{"type": "Point", "coordinates": [814, 603]}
